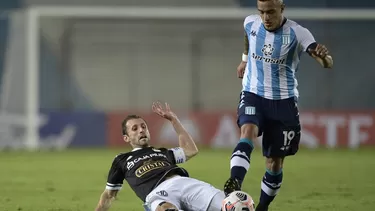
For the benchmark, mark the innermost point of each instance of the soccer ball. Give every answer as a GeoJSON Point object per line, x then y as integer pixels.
{"type": "Point", "coordinates": [238, 201]}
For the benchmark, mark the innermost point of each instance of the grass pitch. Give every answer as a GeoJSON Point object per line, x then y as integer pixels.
{"type": "Point", "coordinates": [72, 180]}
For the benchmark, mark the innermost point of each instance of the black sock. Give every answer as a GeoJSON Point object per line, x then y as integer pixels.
{"type": "Point", "coordinates": [240, 160]}
{"type": "Point", "coordinates": [271, 184]}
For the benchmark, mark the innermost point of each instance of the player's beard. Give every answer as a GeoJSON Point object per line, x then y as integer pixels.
{"type": "Point", "coordinates": [271, 25]}
{"type": "Point", "coordinates": [143, 141]}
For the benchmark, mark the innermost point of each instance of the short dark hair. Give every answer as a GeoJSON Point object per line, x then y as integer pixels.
{"type": "Point", "coordinates": [129, 117]}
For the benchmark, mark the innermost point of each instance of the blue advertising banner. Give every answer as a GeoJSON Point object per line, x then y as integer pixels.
{"type": "Point", "coordinates": [73, 129]}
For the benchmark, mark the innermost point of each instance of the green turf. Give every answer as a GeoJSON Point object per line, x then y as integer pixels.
{"type": "Point", "coordinates": [73, 180]}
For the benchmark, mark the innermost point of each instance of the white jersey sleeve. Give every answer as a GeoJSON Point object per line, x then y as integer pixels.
{"type": "Point", "coordinates": [304, 37]}
{"type": "Point", "coordinates": [249, 19]}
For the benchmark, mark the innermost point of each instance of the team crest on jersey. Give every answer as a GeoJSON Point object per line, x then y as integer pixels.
{"type": "Point", "coordinates": [268, 50]}
{"type": "Point", "coordinates": [285, 39]}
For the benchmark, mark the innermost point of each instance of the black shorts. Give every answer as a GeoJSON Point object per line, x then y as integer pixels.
{"type": "Point", "coordinates": [277, 120]}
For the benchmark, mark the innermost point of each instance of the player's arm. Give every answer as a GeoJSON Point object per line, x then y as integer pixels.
{"type": "Point", "coordinates": [317, 51]}
{"type": "Point", "coordinates": [114, 185]}
{"type": "Point", "coordinates": [245, 54]}
{"type": "Point", "coordinates": [187, 146]}
{"type": "Point", "coordinates": [242, 66]}
{"type": "Point", "coordinates": [246, 48]}
{"type": "Point", "coordinates": [320, 53]}
{"type": "Point", "coordinates": [106, 199]}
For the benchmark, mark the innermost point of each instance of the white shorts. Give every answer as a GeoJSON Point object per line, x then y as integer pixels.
{"type": "Point", "coordinates": [185, 193]}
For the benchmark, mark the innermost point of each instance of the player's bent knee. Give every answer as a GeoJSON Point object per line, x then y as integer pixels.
{"type": "Point", "coordinates": [249, 131]}
{"type": "Point", "coordinates": [274, 164]}
{"type": "Point", "coordinates": [166, 206]}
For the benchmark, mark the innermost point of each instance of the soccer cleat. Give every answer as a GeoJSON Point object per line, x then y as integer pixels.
{"type": "Point", "coordinates": [261, 208]}
{"type": "Point", "coordinates": [231, 185]}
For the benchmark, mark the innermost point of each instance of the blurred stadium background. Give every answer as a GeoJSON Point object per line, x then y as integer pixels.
{"type": "Point", "coordinates": [70, 71]}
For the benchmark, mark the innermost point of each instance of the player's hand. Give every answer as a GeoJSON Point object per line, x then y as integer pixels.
{"type": "Point", "coordinates": [320, 51]}
{"type": "Point", "coordinates": [241, 69]}
{"type": "Point", "coordinates": [166, 112]}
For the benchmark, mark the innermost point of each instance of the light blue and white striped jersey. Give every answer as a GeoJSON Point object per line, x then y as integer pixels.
{"type": "Point", "coordinates": [273, 58]}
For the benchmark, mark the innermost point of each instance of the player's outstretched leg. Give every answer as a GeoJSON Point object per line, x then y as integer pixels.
{"type": "Point", "coordinates": [271, 183]}
{"type": "Point", "coordinates": [240, 160]}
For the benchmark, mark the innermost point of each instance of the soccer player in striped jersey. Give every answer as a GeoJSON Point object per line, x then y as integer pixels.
{"type": "Point", "coordinates": [268, 101]}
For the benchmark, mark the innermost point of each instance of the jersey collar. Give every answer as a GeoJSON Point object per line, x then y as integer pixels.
{"type": "Point", "coordinates": [281, 26]}
{"type": "Point", "coordinates": [139, 148]}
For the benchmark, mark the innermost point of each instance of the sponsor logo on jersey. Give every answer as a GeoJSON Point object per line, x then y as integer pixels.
{"type": "Point", "coordinates": [149, 166]}
{"type": "Point", "coordinates": [267, 50]}
{"type": "Point", "coordinates": [268, 60]}
{"type": "Point", "coordinates": [130, 164]}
